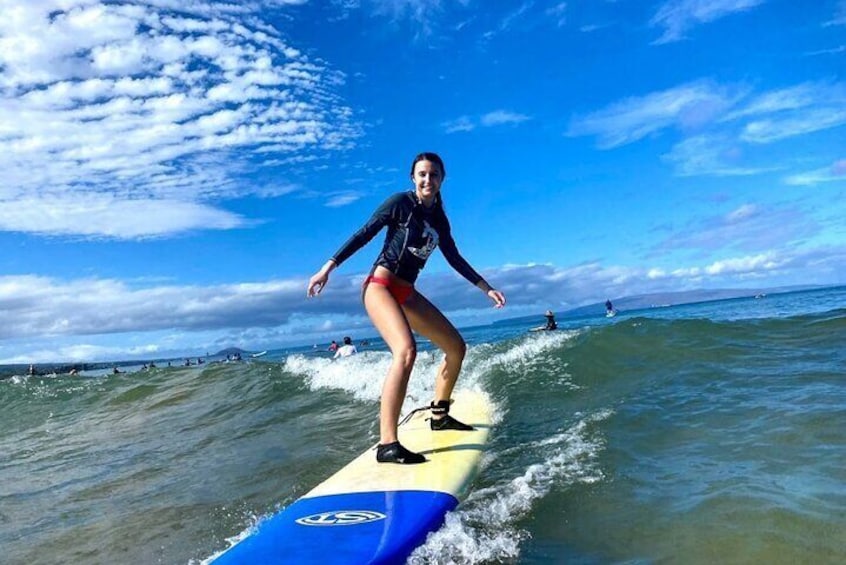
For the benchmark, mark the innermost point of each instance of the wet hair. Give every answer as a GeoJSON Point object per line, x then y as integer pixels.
{"type": "Point", "coordinates": [432, 157]}
{"type": "Point", "coordinates": [347, 340]}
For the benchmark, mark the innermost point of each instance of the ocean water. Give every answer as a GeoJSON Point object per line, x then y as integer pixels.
{"type": "Point", "coordinates": [704, 433]}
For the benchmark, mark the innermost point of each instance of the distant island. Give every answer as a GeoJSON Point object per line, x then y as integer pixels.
{"type": "Point", "coordinates": [231, 351]}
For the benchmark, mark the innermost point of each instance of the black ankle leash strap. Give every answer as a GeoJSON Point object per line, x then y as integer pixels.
{"type": "Point", "coordinates": [440, 408]}
{"type": "Point", "coordinates": [412, 413]}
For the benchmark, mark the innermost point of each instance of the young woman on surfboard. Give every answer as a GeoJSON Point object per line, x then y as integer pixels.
{"type": "Point", "coordinates": [417, 224]}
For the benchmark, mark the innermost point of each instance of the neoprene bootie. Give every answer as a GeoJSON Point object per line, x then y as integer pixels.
{"type": "Point", "coordinates": [394, 452]}
{"type": "Point", "coordinates": [445, 421]}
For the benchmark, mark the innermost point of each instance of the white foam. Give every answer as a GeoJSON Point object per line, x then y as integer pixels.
{"type": "Point", "coordinates": [485, 528]}
{"type": "Point", "coordinates": [254, 522]}
{"type": "Point", "coordinates": [523, 357]}
{"type": "Point", "coordinates": [363, 374]}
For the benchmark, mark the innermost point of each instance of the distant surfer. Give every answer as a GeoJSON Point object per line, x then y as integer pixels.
{"type": "Point", "coordinates": [417, 224]}
{"type": "Point", "coordinates": [347, 349]}
{"type": "Point", "coordinates": [333, 347]}
{"type": "Point", "coordinates": [609, 309]}
{"type": "Point", "coordinates": [550, 321]}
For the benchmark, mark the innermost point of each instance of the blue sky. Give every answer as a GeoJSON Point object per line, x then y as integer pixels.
{"type": "Point", "coordinates": [173, 172]}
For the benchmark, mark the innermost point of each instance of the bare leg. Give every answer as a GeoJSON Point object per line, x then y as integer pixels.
{"type": "Point", "coordinates": [428, 321]}
{"type": "Point", "coordinates": [392, 325]}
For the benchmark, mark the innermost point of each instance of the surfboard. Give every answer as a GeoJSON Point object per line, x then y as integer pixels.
{"type": "Point", "coordinates": [371, 512]}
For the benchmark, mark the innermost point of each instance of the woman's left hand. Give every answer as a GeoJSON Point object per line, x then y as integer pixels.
{"type": "Point", "coordinates": [497, 297]}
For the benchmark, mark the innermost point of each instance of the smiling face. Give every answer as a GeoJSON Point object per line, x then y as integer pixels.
{"type": "Point", "coordinates": [427, 177]}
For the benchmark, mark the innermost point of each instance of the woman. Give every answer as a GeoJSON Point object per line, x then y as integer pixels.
{"type": "Point", "coordinates": [416, 224]}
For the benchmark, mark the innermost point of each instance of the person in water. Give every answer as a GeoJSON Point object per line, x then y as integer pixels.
{"type": "Point", "coordinates": [417, 224]}
{"type": "Point", "coordinates": [550, 321]}
{"type": "Point", "coordinates": [347, 349]}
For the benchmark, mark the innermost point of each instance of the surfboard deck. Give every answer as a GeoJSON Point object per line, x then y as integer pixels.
{"type": "Point", "coordinates": [371, 512]}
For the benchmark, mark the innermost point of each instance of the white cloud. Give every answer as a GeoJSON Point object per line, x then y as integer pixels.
{"type": "Point", "coordinates": [743, 212]}
{"type": "Point", "coordinates": [464, 123]}
{"type": "Point", "coordinates": [719, 125]}
{"type": "Point", "coordinates": [115, 103]}
{"type": "Point", "coordinates": [839, 17]}
{"type": "Point", "coordinates": [812, 120]}
{"type": "Point", "coordinates": [502, 117]}
{"type": "Point", "coordinates": [791, 98]}
{"type": "Point", "coordinates": [757, 264]}
{"type": "Point", "coordinates": [99, 215]}
{"type": "Point", "coordinates": [689, 106]}
{"type": "Point", "coordinates": [748, 228]}
{"type": "Point", "coordinates": [679, 16]}
{"type": "Point", "coordinates": [558, 13]}
{"type": "Point", "coordinates": [342, 199]}
{"type": "Point", "coordinates": [491, 119]}
{"type": "Point", "coordinates": [833, 173]}
{"type": "Point", "coordinates": [788, 112]}
{"type": "Point", "coordinates": [709, 155]}
{"type": "Point", "coordinates": [48, 319]}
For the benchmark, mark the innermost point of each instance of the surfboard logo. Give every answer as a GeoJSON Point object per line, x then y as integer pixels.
{"type": "Point", "coordinates": [341, 518]}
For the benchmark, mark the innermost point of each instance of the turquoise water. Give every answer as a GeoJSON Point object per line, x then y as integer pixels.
{"type": "Point", "coordinates": [707, 433]}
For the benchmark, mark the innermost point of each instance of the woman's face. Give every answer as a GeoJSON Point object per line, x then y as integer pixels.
{"type": "Point", "coordinates": [427, 181]}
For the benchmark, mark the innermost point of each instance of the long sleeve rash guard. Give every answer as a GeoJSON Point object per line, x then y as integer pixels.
{"type": "Point", "coordinates": [414, 231]}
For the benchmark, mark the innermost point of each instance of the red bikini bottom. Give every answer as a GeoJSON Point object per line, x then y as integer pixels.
{"type": "Point", "coordinates": [400, 292]}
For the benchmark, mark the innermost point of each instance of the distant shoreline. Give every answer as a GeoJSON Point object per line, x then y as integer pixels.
{"type": "Point", "coordinates": [624, 304]}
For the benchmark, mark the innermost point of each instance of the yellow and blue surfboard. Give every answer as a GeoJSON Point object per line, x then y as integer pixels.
{"type": "Point", "coordinates": [371, 512]}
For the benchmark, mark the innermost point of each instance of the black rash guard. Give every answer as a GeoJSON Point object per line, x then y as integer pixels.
{"type": "Point", "coordinates": [413, 233]}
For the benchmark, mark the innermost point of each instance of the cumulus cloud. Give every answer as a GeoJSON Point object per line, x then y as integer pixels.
{"type": "Point", "coordinates": [679, 16]}
{"type": "Point", "coordinates": [145, 105]}
{"type": "Point", "coordinates": [49, 319]}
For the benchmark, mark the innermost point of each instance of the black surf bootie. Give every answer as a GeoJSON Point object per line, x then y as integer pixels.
{"type": "Point", "coordinates": [441, 420]}
{"type": "Point", "coordinates": [394, 452]}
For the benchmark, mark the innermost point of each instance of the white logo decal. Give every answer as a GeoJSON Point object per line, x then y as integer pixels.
{"type": "Point", "coordinates": [431, 242]}
{"type": "Point", "coordinates": [341, 518]}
